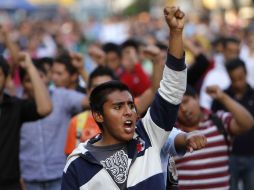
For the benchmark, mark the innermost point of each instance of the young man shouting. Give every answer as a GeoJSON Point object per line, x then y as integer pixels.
{"type": "Point", "coordinates": [127, 153]}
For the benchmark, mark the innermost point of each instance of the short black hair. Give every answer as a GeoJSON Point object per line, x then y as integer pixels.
{"type": "Point", "coordinates": [100, 93]}
{"type": "Point", "coordinates": [112, 47]}
{"type": "Point", "coordinates": [4, 65]}
{"type": "Point", "coordinates": [38, 66]}
{"type": "Point", "coordinates": [101, 71]}
{"type": "Point", "coordinates": [65, 59]}
{"type": "Point", "coordinates": [190, 91]}
{"type": "Point", "coordinates": [161, 46]}
{"type": "Point", "coordinates": [235, 63]}
{"type": "Point", "coordinates": [130, 43]}
{"type": "Point", "coordinates": [218, 40]}
{"type": "Point", "coordinates": [45, 61]}
{"type": "Point", "coordinates": [228, 40]}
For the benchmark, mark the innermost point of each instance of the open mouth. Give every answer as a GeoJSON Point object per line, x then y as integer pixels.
{"type": "Point", "coordinates": [128, 126]}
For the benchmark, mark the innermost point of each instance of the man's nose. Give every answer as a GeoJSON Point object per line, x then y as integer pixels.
{"type": "Point", "coordinates": [127, 110]}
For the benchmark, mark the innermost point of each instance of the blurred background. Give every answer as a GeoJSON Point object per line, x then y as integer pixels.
{"type": "Point", "coordinates": [48, 28]}
{"type": "Point", "coordinates": [106, 20]}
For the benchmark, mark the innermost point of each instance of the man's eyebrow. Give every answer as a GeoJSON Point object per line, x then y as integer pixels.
{"type": "Point", "coordinates": [130, 102]}
{"type": "Point", "coordinates": [118, 103]}
{"type": "Point", "coordinates": [122, 102]}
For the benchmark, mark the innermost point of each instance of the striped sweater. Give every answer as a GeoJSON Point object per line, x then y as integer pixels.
{"type": "Point", "coordinates": [207, 168]}
{"type": "Point", "coordinates": [145, 169]}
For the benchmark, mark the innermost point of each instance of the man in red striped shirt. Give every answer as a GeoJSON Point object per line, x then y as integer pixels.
{"type": "Point", "coordinates": [207, 168]}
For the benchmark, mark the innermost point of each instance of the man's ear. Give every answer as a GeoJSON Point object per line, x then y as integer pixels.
{"type": "Point", "coordinates": [98, 117]}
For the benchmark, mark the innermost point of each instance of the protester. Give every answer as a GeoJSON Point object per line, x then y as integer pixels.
{"type": "Point", "coordinates": [83, 126]}
{"type": "Point", "coordinates": [133, 74]}
{"type": "Point", "coordinates": [209, 167]}
{"type": "Point", "coordinates": [42, 142]}
{"type": "Point", "coordinates": [218, 75]}
{"type": "Point", "coordinates": [65, 72]}
{"type": "Point", "coordinates": [242, 157]}
{"type": "Point", "coordinates": [120, 156]}
{"type": "Point", "coordinates": [14, 112]}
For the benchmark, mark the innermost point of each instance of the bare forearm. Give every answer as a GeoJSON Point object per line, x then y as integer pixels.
{"type": "Point", "coordinates": [13, 48]}
{"type": "Point", "coordinates": [243, 120]}
{"type": "Point", "coordinates": [180, 142]}
{"type": "Point", "coordinates": [41, 94]}
{"type": "Point", "coordinates": [176, 44]}
{"type": "Point", "coordinates": [146, 98]}
{"type": "Point", "coordinates": [84, 75]}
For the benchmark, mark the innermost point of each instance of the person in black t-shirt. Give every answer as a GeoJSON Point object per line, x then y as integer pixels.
{"type": "Point", "coordinates": [242, 157]}
{"type": "Point", "coordinates": [13, 112]}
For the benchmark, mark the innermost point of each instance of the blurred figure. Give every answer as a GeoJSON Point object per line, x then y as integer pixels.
{"type": "Point", "coordinates": [83, 126]}
{"type": "Point", "coordinates": [113, 57]}
{"type": "Point", "coordinates": [133, 75]}
{"type": "Point", "coordinates": [14, 112]}
{"type": "Point", "coordinates": [97, 54]}
{"type": "Point", "coordinates": [218, 75]}
{"type": "Point", "coordinates": [201, 64]}
{"type": "Point", "coordinates": [242, 158]}
{"type": "Point", "coordinates": [10, 48]}
{"type": "Point", "coordinates": [42, 142]}
{"type": "Point", "coordinates": [46, 63]}
{"type": "Point", "coordinates": [65, 73]}
{"type": "Point", "coordinates": [247, 55]}
{"type": "Point", "coordinates": [209, 167]}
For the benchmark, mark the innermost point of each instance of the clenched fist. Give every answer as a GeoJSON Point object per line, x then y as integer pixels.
{"type": "Point", "coordinates": [174, 18]}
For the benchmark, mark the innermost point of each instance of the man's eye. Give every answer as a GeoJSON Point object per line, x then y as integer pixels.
{"type": "Point", "coordinates": [117, 107]}
{"type": "Point", "coordinates": [132, 106]}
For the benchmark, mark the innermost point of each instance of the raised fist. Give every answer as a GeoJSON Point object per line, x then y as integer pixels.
{"type": "Point", "coordinates": [24, 60]}
{"type": "Point", "coordinates": [77, 61]}
{"type": "Point", "coordinates": [215, 92]}
{"type": "Point", "coordinates": [174, 18]}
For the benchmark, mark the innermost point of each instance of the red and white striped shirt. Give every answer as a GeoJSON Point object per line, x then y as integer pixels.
{"type": "Point", "coordinates": [207, 168]}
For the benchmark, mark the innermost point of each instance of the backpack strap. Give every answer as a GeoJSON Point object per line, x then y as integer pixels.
{"type": "Point", "coordinates": [219, 124]}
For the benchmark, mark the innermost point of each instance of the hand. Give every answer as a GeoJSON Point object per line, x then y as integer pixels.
{"type": "Point", "coordinates": [24, 60]}
{"type": "Point", "coordinates": [152, 52]}
{"type": "Point", "coordinates": [77, 61]}
{"type": "Point", "coordinates": [97, 55]}
{"type": "Point", "coordinates": [215, 92]}
{"type": "Point", "coordinates": [174, 18]}
{"type": "Point", "coordinates": [195, 141]}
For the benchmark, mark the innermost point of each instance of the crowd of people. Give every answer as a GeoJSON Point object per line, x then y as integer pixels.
{"type": "Point", "coordinates": [166, 103]}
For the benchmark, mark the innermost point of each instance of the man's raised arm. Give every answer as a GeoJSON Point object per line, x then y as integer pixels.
{"type": "Point", "coordinates": [41, 94]}
{"type": "Point", "coordinates": [164, 109]}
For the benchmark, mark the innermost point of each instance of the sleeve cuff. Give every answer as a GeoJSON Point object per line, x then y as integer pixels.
{"type": "Point", "coordinates": [175, 63]}
{"type": "Point", "coordinates": [169, 147]}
